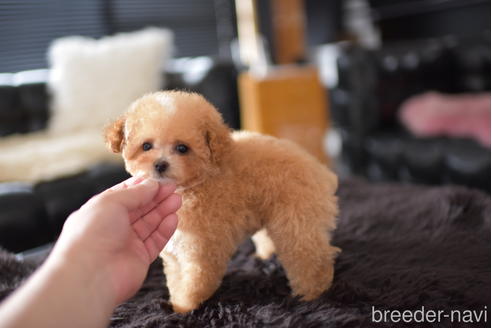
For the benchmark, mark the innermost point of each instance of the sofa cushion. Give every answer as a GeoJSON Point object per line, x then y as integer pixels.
{"type": "Point", "coordinates": [24, 221]}
{"type": "Point", "coordinates": [94, 81]}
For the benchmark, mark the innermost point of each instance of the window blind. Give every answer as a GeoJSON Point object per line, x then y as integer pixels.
{"type": "Point", "coordinates": [27, 27]}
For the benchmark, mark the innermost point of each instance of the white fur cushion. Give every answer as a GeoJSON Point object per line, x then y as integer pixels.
{"type": "Point", "coordinates": [93, 81]}
{"type": "Point", "coordinates": [41, 156]}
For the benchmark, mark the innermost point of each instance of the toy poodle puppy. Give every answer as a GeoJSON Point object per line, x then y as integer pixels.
{"type": "Point", "coordinates": [233, 185]}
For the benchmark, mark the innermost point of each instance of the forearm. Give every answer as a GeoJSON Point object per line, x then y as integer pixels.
{"type": "Point", "coordinates": [62, 293]}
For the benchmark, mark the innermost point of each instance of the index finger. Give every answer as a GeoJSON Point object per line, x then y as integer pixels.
{"type": "Point", "coordinates": [126, 183]}
{"type": "Point", "coordinates": [133, 197]}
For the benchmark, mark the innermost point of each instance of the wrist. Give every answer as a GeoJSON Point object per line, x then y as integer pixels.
{"type": "Point", "coordinates": [62, 283]}
{"type": "Point", "coordinates": [81, 268]}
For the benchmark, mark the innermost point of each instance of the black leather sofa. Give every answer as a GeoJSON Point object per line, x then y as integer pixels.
{"type": "Point", "coordinates": [373, 84]}
{"type": "Point", "coordinates": [33, 214]}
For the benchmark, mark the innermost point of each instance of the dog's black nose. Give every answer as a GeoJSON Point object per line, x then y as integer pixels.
{"type": "Point", "coordinates": [161, 166]}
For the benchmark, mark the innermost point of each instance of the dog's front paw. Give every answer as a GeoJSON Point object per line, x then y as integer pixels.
{"type": "Point", "coordinates": [264, 255]}
{"type": "Point", "coordinates": [183, 308]}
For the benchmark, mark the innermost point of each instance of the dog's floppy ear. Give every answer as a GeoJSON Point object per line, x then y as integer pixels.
{"type": "Point", "coordinates": [218, 139]}
{"type": "Point", "coordinates": [114, 135]}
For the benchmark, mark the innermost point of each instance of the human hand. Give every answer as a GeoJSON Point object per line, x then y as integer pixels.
{"type": "Point", "coordinates": [117, 234]}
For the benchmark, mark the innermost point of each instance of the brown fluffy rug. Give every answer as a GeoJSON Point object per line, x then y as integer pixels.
{"type": "Point", "coordinates": [404, 247]}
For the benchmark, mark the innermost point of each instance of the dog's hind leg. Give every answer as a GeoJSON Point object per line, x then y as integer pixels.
{"type": "Point", "coordinates": [304, 250]}
{"type": "Point", "coordinates": [264, 244]}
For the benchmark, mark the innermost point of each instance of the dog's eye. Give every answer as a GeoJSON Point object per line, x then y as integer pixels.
{"type": "Point", "coordinates": [182, 149]}
{"type": "Point", "coordinates": [146, 146]}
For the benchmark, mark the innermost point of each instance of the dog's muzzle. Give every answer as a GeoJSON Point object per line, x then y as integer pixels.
{"type": "Point", "coordinates": [161, 166]}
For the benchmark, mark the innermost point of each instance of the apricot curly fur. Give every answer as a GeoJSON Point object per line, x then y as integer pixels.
{"type": "Point", "coordinates": [233, 184]}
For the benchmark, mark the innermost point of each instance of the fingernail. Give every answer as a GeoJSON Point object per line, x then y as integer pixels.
{"type": "Point", "coordinates": [135, 180]}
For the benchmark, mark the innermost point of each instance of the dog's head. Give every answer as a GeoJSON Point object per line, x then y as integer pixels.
{"type": "Point", "coordinates": [171, 135]}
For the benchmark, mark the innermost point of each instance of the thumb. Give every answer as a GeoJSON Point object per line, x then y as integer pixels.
{"type": "Point", "coordinates": [134, 196]}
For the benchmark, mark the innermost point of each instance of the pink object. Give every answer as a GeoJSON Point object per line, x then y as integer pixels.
{"type": "Point", "coordinates": [435, 114]}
